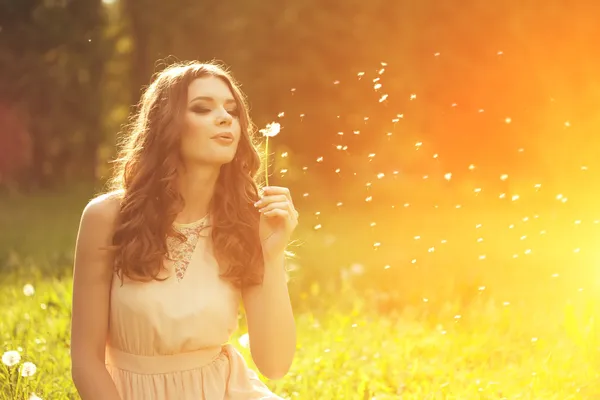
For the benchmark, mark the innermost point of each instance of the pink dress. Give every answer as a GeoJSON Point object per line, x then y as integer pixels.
{"type": "Point", "coordinates": [169, 340]}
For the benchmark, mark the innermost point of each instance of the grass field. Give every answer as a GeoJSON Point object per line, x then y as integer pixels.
{"type": "Point", "coordinates": [346, 350]}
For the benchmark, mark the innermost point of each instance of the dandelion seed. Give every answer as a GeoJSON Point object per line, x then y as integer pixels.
{"type": "Point", "coordinates": [28, 290]}
{"type": "Point", "coordinates": [503, 177]}
{"type": "Point", "coordinates": [413, 96]}
{"type": "Point", "coordinates": [281, 114]}
{"type": "Point", "coordinates": [244, 340]}
{"type": "Point", "coordinates": [11, 358]}
{"type": "Point", "coordinates": [448, 176]}
{"type": "Point", "coordinates": [377, 86]}
{"type": "Point", "coordinates": [28, 369]}
{"type": "Point", "coordinates": [383, 98]}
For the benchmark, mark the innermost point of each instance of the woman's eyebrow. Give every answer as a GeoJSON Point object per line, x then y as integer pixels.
{"type": "Point", "coordinates": [210, 99]}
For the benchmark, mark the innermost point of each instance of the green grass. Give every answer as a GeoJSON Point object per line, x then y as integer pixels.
{"type": "Point", "coordinates": [346, 348]}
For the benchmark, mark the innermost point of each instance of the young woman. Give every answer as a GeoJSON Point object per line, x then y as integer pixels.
{"type": "Point", "coordinates": [164, 259]}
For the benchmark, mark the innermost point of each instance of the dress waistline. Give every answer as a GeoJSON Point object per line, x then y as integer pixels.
{"type": "Point", "coordinates": [161, 364]}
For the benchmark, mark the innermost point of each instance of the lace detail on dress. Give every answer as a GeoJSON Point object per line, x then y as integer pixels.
{"type": "Point", "coordinates": [181, 253]}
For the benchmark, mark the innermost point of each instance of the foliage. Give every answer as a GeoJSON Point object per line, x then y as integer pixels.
{"type": "Point", "coordinates": [491, 352]}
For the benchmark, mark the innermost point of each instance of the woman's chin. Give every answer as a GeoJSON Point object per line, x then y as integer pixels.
{"type": "Point", "coordinates": [224, 160]}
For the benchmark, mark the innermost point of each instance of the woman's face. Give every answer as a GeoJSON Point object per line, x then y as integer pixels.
{"type": "Point", "coordinates": [211, 124]}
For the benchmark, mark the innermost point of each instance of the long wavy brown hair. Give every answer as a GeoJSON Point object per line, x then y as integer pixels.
{"type": "Point", "coordinates": [145, 178]}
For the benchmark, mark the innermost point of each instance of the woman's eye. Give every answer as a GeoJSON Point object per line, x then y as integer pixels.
{"type": "Point", "coordinates": [200, 110]}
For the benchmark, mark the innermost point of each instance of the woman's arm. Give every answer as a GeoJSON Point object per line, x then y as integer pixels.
{"type": "Point", "coordinates": [271, 325]}
{"type": "Point", "coordinates": [92, 277]}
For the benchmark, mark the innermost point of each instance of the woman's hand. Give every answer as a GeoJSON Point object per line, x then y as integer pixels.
{"type": "Point", "coordinates": [278, 220]}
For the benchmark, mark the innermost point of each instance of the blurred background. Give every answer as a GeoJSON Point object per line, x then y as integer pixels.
{"type": "Point", "coordinates": [444, 156]}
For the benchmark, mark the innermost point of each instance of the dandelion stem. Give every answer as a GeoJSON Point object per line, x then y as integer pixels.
{"type": "Point", "coordinates": [267, 161]}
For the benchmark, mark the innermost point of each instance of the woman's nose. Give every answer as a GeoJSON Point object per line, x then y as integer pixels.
{"type": "Point", "coordinates": [224, 119]}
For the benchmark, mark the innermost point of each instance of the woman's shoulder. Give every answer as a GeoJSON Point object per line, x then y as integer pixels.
{"type": "Point", "coordinates": [104, 207]}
